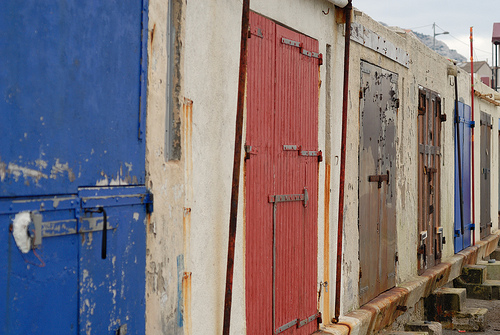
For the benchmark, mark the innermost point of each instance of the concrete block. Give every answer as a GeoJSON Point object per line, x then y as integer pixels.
{"type": "Point", "coordinates": [450, 299]}
{"type": "Point", "coordinates": [492, 269]}
{"type": "Point", "coordinates": [471, 319]}
{"type": "Point", "coordinates": [489, 290]}
{"type": "Point", "coordinates": [433, 328]}
{"type": "Point", "coordinates": [474, 274]}
{"type": "Point", "coordinates": [495, 288]}
{"type": "Point", "coordinates": [477, 291]}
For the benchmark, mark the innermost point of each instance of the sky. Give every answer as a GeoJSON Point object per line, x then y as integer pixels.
{"type": "Point", "coordinates": [453, 16]}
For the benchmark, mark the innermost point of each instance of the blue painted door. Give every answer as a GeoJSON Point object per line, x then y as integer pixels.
{"type": "Point", "coordinates": [463, 233]}
{"type": "Point", "coordinates": [72, 124]}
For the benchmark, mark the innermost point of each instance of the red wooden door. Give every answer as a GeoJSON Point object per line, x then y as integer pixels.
{"type": "Point", "coordinates": [281, 180]}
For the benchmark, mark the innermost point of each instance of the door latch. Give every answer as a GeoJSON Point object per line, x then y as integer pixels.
{"type": "Point", "coordinates": [104, 229]}
{"type": "Point", "coordinates": [379, 178]}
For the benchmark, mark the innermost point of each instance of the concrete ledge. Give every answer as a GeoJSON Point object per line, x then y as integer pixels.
{"type": "Point", "coordinates": [383, 310]}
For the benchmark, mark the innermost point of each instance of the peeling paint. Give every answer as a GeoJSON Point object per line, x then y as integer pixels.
{"type": "Point", "coordinates": [59, 169]}
{"type": "Point", "coordinates": [16, 171]}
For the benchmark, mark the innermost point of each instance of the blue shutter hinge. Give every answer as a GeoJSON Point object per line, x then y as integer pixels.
{"type": "Point", "coordinates": [471, 226]}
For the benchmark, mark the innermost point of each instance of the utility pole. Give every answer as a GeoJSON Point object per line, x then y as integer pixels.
{"type": "Point", "coordinates": [434, 35]}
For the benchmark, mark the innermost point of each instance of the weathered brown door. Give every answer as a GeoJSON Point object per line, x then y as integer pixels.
{"type": "Point", "coordinates": [485, 225]}
{"type": "Point", "coordinates": [281, 180]}
{"type": "Point", "coordinates": [429, 249]}
{"type": "Point", "coordinates": [377, 167]}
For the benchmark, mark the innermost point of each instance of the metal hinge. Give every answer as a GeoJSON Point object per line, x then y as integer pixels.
{"type": "Point", "coordinates": [255, 31]}
{"type": "Point", "coordinates": [290, 197]}
{"type": "Point", "coordinates": [302, 50]}
{"type": "Point", "coordinates": [304, 153]}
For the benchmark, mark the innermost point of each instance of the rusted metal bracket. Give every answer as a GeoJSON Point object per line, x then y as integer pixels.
{"type": "Point", "coordinates": [250, 150]}
{"type": "Point", "coordinates": [429, 170]}
{"type": "Point", "coordinates": [379, 178]}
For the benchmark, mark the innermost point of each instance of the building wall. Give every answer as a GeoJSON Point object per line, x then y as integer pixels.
{"type": "Point", "coordinates": [187, 233]}
{"type": "Point", "coordinates": [429, 70]}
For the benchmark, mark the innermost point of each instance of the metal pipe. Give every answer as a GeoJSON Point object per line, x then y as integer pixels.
{"type": "Point", "coordinates": [339, 3]}
{"type": "Point", "coordinates": [459, 159]}
{"type": "Point", "coordinates": [472, 138]}
{"type": "Point", "coordinates": [340, 232]}
{"type": "Point", "coordinates": [236, 166]}
{"type": "Point", "coordinates": [496, 67]}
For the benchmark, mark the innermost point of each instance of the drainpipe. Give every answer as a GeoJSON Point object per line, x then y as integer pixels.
{"type": "Point", "coordinates": [472, 138]}
{"type": "Point", "coordinates": [340, 232]}
{"type": "Point", "coordinates": [236, 166]}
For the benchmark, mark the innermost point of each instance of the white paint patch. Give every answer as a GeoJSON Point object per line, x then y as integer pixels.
{"type": "Point", "coordinates": [129, 166]}
{"type": "Point", "coordinates": [59, 169]}
{"type": "Point", "coordinates": [20, 231]}
{"type": "Point", "coordinates": [164, 298]}
{"type": "Point", "coordinates": [136, 216]}
{"type": "Point", "coordinates": [106, 181]}
{"type": "Point", "coordinates": [17, 171]}
{"type": "Point", "coordinates": [41, 164]}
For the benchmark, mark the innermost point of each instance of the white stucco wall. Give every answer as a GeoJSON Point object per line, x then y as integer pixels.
{"type": "Point", "coordinates": [209, 78]}
{"type": "Point", "coordinates": [188, 231]}
{"type": "Point", "coordinates": [429, 70]}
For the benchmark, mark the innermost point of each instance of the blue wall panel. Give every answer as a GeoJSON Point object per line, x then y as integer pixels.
{"type": "Point", "coordinates": [463, 240]}
{"type": "Point", "coordinates": [72, 116]}
{"type": "Point", "coordinates": [40, 296]}
{"type": "Point", "coordinates": [71, 80]}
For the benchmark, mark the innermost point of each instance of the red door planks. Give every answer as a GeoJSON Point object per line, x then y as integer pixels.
{"type": "Point", "coordinates": [281, 180]}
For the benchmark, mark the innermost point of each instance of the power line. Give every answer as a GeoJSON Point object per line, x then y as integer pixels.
{"type": "Point", "coordinates": [420, 27]}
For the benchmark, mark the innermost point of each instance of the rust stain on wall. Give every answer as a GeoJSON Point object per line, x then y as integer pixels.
{"type": "Point", "coordinates": [186, 291]}
{"type": "Point", "coordinates": [152, 36]}
{"type": "Point", "coordinates": [438, 276]}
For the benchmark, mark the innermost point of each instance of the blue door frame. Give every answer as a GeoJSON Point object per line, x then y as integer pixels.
{"type": "Point", "coordinates": [72, 125]}
{"type": "Point", "coordinates": [462, 237]}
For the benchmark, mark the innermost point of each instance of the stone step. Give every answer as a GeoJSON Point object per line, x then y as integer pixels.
{"type": "Point", "coordinates": [495, 288]}
{"type": "Point", "coordinates": [406, 333]}
{"type": "Point", "coordinates": [488, 290]}
{"type": "Point", "coordinates": [469, 319]}
{"type": "Point", "coordinates": [443, 301]}
{"type": "Point", "coordinates": [430, 327]}
{"type": "Point", "coordinates": [474, 274]}
{"type": "Point", "coordinates": [492, 269]}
